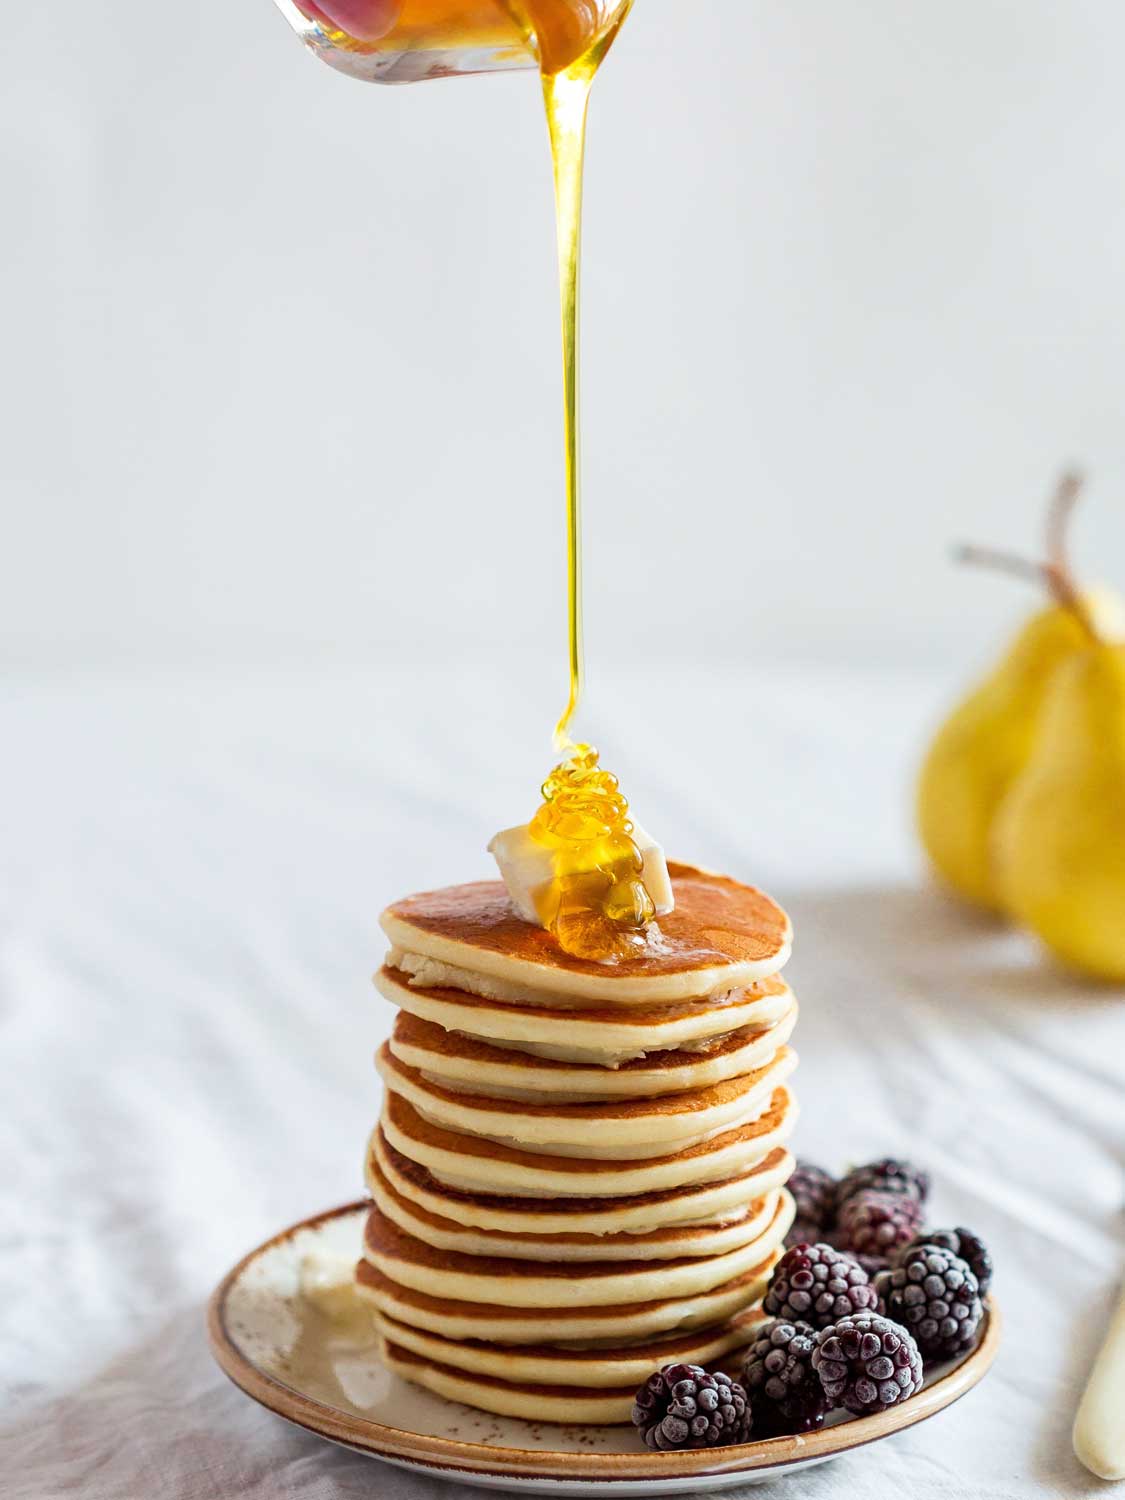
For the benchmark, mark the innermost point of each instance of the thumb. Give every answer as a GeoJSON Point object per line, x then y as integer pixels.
{"type": "Point", "coordinates": [366, 20]}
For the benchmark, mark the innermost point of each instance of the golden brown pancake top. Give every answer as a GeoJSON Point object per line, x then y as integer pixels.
{"type": "Point", "coordinates": [409, 1122]}
{"type": "Point", "coordinates": [374, 1280]}
{"type": "Point", "coordinates": [617, 1015]}
{"type": "Point", "coordinates": [665, 1348]}
{"type": "Point", "coordinates": [383, 1237]}
{"type": "Point", "coordinates": [414, 1172]}
{"type": "Point", "coordinates": [412, 1031]}
{"type": "Point", "coordinates": [717, 921]}
{"type": "Point", "coordinates": [677, 1234]}
{"type": "Point", "coordinates": [403, 1356]}
{"type": "Point", "coordinates": [684, 1102]}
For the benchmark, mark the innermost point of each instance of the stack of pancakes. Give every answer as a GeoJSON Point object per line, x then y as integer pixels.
{"type": "Point", "coordinates": [579, 1171]}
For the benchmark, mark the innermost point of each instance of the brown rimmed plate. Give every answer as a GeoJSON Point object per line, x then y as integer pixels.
{"type": "Point", "coordinates": [316, 1364]}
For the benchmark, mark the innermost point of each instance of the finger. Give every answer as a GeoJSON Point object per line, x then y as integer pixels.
{"type": "Point", "coordinates": [366, 20]}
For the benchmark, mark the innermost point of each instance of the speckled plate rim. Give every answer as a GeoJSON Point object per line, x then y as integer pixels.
{"type": "Point", "coordinates": [452, 1456]}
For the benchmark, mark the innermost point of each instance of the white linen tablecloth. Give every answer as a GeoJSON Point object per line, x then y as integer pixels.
{"type": "Point", "coordinates": [192, 866]}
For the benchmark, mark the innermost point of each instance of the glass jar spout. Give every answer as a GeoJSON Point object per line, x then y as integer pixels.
{"type": "Point", "coordinates": [406, 41]}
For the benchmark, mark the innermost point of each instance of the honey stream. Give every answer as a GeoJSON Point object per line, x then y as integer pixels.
{"type": "Point", "coordinates": [596, 902]}
{"type": "Point", "coordinates": [597, 905]}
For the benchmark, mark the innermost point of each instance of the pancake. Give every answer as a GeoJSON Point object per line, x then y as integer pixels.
{"type": "Point", "coordinates": [721, 936]}
{"type": "Point", "coordinates": [605, 1035]}
{"type": "Point", "coordinates": [535, 1403]}
{"type": "Point", "coordinates": [559, 1284]}
{"type": "Point", "coordinates": [669, 1243]}
{"type": "Point", "coordinates": [621, 1366]}
{"type": "Point", "coordinates": [619, 1129]}
{"type": "Point", "coordinates": [465, 1064]}
{"type": "Point", "coordinates": [466, 1161]}
{"type": "Point", "coordinates": [576, 1221]}
{"type": "Point", "coordinates": [492, 1322]}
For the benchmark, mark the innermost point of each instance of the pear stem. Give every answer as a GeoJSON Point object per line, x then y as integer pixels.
{"type": "Point", "coordinates": [1003, 562]}
{"type": "Point", "coordinates": [1066, 496]}
{"type": "Point", "coordinates": [1060, 573]}
{"type": "Point", "coordinates": [1056, 573]}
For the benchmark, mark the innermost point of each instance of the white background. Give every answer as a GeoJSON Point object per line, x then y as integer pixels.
{"type": "Point", "coordinates": [279, 363]}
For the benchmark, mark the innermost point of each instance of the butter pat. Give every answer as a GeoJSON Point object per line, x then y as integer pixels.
{"type": "Point", "coordinates": [527, 869]}
{"type": "Point", "coordinates": [328, 1282]}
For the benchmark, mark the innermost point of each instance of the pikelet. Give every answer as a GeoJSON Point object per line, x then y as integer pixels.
{"type": "Point", "coordinates": [579, 1170]}
{"type": "Point", "coordinates": [590, 1220]}
{"type": "Point", "coordinates": [469, 1161]}
{"type": "Point", "coordinates": [496, 1322]}
{"type": "Point", "coordinates": [603, 1367]}
{"type": "Point", "coordinates": [664, 1243]}
{"type": "Point", "coordinates": [559, 1284]}
{"type": "Point", "coordinates": [722, 936]}
{"type": "Point", "coordinates": [466, 1064]}
{"type": "Point", "coordinates": [604, 1035]}
{"type": "Point", "coordinates": [511, 1398]}
{"type": "Point", "coordinates": [576, 1303]}
{"type": "Point", "coordinates": [616, 1129]}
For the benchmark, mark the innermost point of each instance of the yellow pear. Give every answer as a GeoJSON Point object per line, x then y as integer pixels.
{"type": "Point", "coordinates": [1059, 837]}
{"type": "Point", "coordinates": [986, 743]}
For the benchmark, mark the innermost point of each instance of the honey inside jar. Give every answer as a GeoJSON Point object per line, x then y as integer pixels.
{"type": "Point", "coordinates": [550, 34]}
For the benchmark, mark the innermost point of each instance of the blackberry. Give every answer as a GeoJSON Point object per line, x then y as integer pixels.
{"type": "Point", "coordinates": [867, 1363]}
{"type": "Point", "coordinates": [803, 1232]}
{"type": "Point", "coordinates": [681, 1406]}
{"type": "Point", "coordinates": [814, 1191]}
{"type": "Point", "coordinates": [873, 1264]}
{"type": "Point", "coordinates": [817, 1284]}
{"type": "Point", "coordinates": [784, 1390]}
{"type": "Point", "coordinates": [963, 1242]}
{"type": "Point", "coordinates": [875, 1223]}
{"type": "Point", "coordinates": [933, 1293]}
{"type": "Point", "coordinates": [887, 1175]}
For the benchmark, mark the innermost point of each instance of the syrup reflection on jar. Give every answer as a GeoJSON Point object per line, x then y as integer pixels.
{"type": "Point", "coordinates": [403, 41]}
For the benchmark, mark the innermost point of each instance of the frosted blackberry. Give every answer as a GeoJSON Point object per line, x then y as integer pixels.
{"type": "Point", "coordinates": [817, 1284]}
{"type": "Point", "coordinates": [681, 1406]}
{"type": "Point", "coordinates": [803, 1232]}
{"type": "Point", "coordinates": [887, 1175]}
{"type": "Point", "coordinates": [784, 1390]}
{"type": "Point", "coordinates": [934, 1295]}
{"type": "Point", "coordinates": [963, 1242]}
{"type": "Point", "coordinates": [875, 1223]}
{"type": "Point", "coordinates": [873, 1264]}
{"type": "Point", "coordinates": [867, 1363]}
{"type": "Point", "coordinates": [814, 1191]}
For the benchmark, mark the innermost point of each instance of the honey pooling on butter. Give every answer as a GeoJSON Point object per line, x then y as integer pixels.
{"type": "Point", "coordinates": [597, 905]}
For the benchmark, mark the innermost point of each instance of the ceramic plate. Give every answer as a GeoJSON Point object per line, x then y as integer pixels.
{"type": "Point", "coordinates": [320, 1369]}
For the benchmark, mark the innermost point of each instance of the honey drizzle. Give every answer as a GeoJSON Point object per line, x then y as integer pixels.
{"type": "Point", "coordinates": [566, 97]}
{"type": "Point", "coordinates": [597, 905]}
